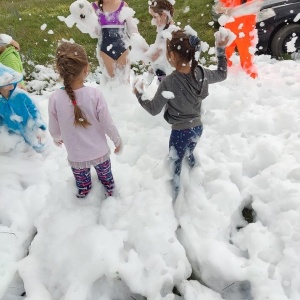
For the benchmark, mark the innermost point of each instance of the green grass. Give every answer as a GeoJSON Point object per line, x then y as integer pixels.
{"type": "Point", "coordinates": [23, 20]}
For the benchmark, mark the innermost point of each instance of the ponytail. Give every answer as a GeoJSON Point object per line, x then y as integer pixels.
{"type": "Point", "coordinates": [194, 42]}
{"type": "Point", "coordinates": [100, 4]}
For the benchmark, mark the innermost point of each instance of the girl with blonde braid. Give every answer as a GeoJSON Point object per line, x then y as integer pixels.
{"type": "Point", "coordinates": [79, 119]}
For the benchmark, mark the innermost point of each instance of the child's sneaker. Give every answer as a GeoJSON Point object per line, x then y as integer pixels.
{"type": "Point", "coordinates": [112, 193]}
{"type": "Point", "coordinates": [81, 194]}
{"type": "Point", "coordinates": [108, 194]}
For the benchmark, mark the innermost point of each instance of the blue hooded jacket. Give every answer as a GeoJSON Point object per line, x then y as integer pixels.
{"type": "Point", "coordinates": [18, 112]}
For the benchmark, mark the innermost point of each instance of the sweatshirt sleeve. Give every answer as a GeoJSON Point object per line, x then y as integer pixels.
{"type": "Point", "coordinates": [107, 122]}
{"type": "Point", "coordinates": [220, 74]}
{"type": "Point", "coordinates": [54, 128]}
{"type": "Point", "coordinates": [154, 106]}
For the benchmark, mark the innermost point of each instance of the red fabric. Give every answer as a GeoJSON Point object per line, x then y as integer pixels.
{"type": "Point", "coordinates": [243, 28]}
{"type": "Point", "coordinates": [232, 3]}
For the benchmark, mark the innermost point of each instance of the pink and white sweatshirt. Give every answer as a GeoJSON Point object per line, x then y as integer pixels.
{"type": "Point", "coordinates": [82, 144]}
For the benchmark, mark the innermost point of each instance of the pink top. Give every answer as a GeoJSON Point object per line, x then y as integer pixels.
{"type": "Point", "coordinates": [82, 144]}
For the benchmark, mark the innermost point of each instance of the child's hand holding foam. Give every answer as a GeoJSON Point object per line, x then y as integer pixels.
{"type": "Point", "coordinates": [222, 37]}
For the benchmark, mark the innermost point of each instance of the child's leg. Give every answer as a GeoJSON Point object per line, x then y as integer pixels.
{"type": "Point", "coordinates": [196, 134]}
{"type": "Point", "coordinates": [244, 46]}
{"type": "Point", "coordinates": [182, 143]}
{"type": "Point", "coordinates": [105, 176]}
{"type": "Point", "coordinates": [122, 68]}
{"type": "Point", "coordinates": [176, 153]}
{"type": "Point", "coordinates": [83, 181]}
{"type": "Point", "coordinates": [177, 146]}
{"type": "Point", "coordinates": [229, 50]}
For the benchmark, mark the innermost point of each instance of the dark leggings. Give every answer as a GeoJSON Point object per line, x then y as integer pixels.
{"type": "Point", "coordinates": [84, 182]}
{"type": "Point", "coordinates": [182, 144]}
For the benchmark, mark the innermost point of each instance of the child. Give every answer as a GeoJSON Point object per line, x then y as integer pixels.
{"type": "Point", "coordinates": [162, 12]}
{"type": "Point", "coordinates": [10, 57]}
{"type": "Point", "coordinates": [17, 111]}
{"type": "Point", "coordinates": [246, 35]}
{"type": "Point", "coordinates": [79, 118]}
{"type": "Point", "coordinates": [113, 43]}
{"type": "Point", "coordinates": [182, 93]}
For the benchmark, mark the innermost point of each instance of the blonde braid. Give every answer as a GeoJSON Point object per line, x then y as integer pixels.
{"type": "Point", "coordinates": [70, 61]}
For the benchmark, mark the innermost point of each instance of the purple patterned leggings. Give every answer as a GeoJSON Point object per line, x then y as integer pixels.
{"type": "Point", "coordinates": [84, 182]}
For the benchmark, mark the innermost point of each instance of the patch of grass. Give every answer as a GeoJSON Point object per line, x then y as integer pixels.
{"type": "Point", "coordinates": [23, 20]}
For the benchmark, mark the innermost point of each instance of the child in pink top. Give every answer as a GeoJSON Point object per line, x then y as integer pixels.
{"type": "Point", "coordinates": [79, 118]}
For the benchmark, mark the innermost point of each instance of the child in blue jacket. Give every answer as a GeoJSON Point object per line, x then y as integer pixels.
{"type": "Point", "coordinates": [17, 111]}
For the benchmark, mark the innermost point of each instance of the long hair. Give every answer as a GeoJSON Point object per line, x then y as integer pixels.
{"type": "Point", "coordinates": [70, 61]}
{"type": "Point", "coordinates": [185, 46]}
{"type": "Point", "coordinates": [160, 6]}
{"type": "Point", "coordinates": [100, 4]}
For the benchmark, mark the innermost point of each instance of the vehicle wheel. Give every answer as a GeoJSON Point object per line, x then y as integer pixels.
{"type": "Point", "coordinates": [282, 37]}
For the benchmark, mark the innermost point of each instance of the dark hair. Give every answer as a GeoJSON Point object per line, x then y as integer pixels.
{"type": "Point", "coordinates": [100, 4]}
{"type": "Point", "coordinates": [159, 6]}
{"type": "Point", "coordinates": [185, 46]}
{"type": "Point", "coordinates": [71, 58]}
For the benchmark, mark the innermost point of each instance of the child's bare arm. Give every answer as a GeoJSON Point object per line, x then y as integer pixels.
{"type": "Point", "coordinates": [15, 44]}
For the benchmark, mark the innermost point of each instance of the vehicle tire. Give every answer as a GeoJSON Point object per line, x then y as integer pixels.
{"type": "Point", "coordinates": [284, 35]}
